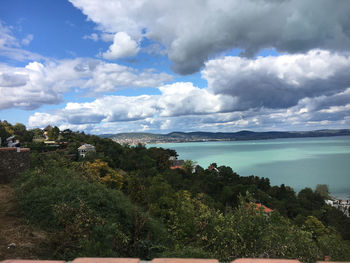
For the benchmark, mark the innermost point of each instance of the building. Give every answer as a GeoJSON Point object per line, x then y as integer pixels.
{"type": "Point", "coordinates": [175, 163]}
{"type": "Point", "coordinates": [11, 142]}
{"type": "Point", "coordinates": [46, 130]}
{"type": "Point", "coordinates": [85, 148]}
{"type": "Point", "coordinates": [342, 205]}
{"type": "Point", "coordinates": [265, 209]}
{"type": "Point", "coordinates": [213, 167]}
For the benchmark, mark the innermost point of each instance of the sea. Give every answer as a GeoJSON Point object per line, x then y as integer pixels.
{"type": "Point", "coordinates": [296, 162]}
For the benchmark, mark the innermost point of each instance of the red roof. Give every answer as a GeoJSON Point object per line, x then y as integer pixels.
{"type": "Point", "coordinates": [177, 167]}
{"type": "Point", "coordinates": [266, 209]}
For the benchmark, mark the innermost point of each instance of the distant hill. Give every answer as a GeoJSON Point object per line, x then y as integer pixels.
{"type": "Point", "coordinates": [219, 136]}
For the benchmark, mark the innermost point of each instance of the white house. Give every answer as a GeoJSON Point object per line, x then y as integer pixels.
{"type": "Point", "coordinates": [85, 148]}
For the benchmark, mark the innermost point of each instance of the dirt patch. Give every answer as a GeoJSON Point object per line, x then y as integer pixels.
{"type": "Point", "coordinates": [17, 238]}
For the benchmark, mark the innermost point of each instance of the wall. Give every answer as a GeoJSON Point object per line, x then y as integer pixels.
{"type": "Point", "coordinates": [12, 163]}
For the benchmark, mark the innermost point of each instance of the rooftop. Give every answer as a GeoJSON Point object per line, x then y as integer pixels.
{"type": "Point", "coordinates": [86, 147]}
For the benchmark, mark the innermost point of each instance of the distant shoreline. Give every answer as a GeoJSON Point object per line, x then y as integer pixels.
{"type": "Point", "coordinates": [252, 139]}
{"type": "Point", "coordinates": [181, 137]}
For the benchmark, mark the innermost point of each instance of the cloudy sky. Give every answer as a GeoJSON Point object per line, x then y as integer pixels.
{"type": "Point", "coordinates": [188, 65]}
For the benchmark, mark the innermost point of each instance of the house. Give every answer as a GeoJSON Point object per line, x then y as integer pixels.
{"type": "Point", "coordinates": [329, 202]}
{"type": "Point", "coordinates": [212, 167]}
{"type": "Point", "coordinates": [177, 167]}
{"type": "Point", "coordinates": [175, 163]}
{"type": "Point", "coordinates": [172, 158]}
{"type": "Point", "coordinates": [85, 148]}
{"type": "Point", "coordinates": [11, 142]}
{"type": "Point", "coordinates": [265, 209]}
{"type": "Point", "coordinates": [194, 168]}
{"type": "Point", "coordinates": [46, 130]}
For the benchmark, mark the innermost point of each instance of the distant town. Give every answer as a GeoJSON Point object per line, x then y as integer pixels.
{"type": "Point", "coordinates": [178, 137]}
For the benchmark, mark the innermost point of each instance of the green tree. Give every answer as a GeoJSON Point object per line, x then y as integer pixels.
{"type": "Point", "coordinates": [190, 221]}
{"type": "Point", "coordinates": [4, 133]}
{"type": "Point", "coordinates": [322, 190]}
{"type": "Point", "coordinates": [22, 134]}
{"type": "Point", "coordinates": [188, 165]}
{"type": "Point", "coordinates": [38, 133]}
{"type": "Point", "coordinates": [315, 226]}
{"type": "Point", "coordinates": [53, 133]}
{"type": "Point", "coordinates": [250, 232]}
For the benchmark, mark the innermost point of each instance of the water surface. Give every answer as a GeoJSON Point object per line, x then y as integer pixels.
{"type": "Point", "coordinates": [301, 162]}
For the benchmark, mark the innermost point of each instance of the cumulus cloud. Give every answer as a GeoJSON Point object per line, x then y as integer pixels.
{"type": "Point", "coordinates": [302, 91]}
{"type": "Point", "coordinates": [25, 87]}
{"type": "Point", "coordinates": [37, 84]}
{"type": "Point", "coordinates": [182, 98]}
{"type": "Point", "coordinates": [178, 99]}
{"type": "Point", "coordinates": [278, 82]}
{"type": "Point", "coordinates": [123, 46]}
{"type": "Point", "coordinates": [193, 31]}
{"type": "Point", "coordinates": [41, 119]}
{"type": "Point", "coordinates": [183, 107]}
{"type": "Point", "coordinates": [107, 77]}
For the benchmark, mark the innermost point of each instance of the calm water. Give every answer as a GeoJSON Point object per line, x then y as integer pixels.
{"type": "Point", "coordinates": [302, 162]}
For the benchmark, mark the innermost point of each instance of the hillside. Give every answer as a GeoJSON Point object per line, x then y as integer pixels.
{"type": "Point", "coordinates": [17, 238]}
{"type": "Point", "coordinates": [133, 201]}
{"type": "Point", "coordinates": [219, 136]}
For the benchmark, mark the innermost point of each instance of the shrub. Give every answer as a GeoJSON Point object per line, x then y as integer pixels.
{"type": "Point", "coordinates": [87, 219]}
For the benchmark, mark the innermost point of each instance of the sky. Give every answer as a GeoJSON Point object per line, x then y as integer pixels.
{"type": "Point", "coordinates": [158, 66]}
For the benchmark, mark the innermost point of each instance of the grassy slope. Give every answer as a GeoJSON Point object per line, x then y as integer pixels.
{"type": "Point", "coordinates": [14, 230]}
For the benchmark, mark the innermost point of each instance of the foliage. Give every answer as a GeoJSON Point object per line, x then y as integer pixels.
{"type": "Point", "coordinates": [125, 201]}
{"type": "Point", "coordinates": [53, 133]}
{"type": "Point", "coordinates": [322, 190]}
{"type": "Point", "coordinates": [99, 171]}
{"type": "Point", "coordinates": [188, 165]}
{"type": "Point", "coordinates": [85, 215]}
{"type": "Point", "coordinates": [19, 130]}
{"type": "Point", "coordinates": [249, 232]}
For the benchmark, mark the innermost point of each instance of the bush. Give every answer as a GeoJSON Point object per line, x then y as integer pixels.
{"type": "Point", "coordinates": [87, 219]}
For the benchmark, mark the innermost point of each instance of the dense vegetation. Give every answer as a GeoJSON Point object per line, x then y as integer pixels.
{"type": "Point", "coordinates": [124, 201]}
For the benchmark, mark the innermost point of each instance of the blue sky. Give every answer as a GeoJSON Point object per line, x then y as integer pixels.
{"type": "Point", "coordinates": [160, 66]}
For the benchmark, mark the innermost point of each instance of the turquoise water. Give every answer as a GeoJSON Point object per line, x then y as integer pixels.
{"type": "Point", "coordinates": [302, 162]}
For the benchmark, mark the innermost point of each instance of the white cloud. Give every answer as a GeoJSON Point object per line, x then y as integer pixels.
{"type": "Point", "coordinates": [278, 82]}
{"type": "Point", "coordinates": [26, 87]}
{"type": "Point", "coordinates": [290, 92]}
{"type": "Point", "coordinates": [123, 46]}
{"type": "Point", "coordinates": [10, 47]}
{"type": "Point", "coordinates": [107, 77]}
{"type": "Point", "coordinates": [107, 37]}
{"type": "Point", "coordinates": [26, 41]}
{"type": "Point", "coordinates": [182, 98]}
{"type": "Point", "coordinates": [92, 36]}
{"type": "Point", "coordinates": [37, 84]}
{"type": "Point", "coordinates": [6, 37]}
{"type": "Point", "coordinates": [178, 99]}
{"type": "Point", "coordinates": [40, 119]}
{"type": "Point", "coordinates": [194, 30]}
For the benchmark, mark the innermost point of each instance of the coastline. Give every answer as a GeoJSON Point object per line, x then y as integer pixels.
{"type": "Point", "coordinates": [296, 162]}
{"type": "Point", "coordinates": [182, 137]}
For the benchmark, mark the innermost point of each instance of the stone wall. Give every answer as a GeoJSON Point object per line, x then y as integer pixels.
{"type": "Point", "coordinates": [163, 260]}
{"type": "Point", "coordinates": [12, 162]}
